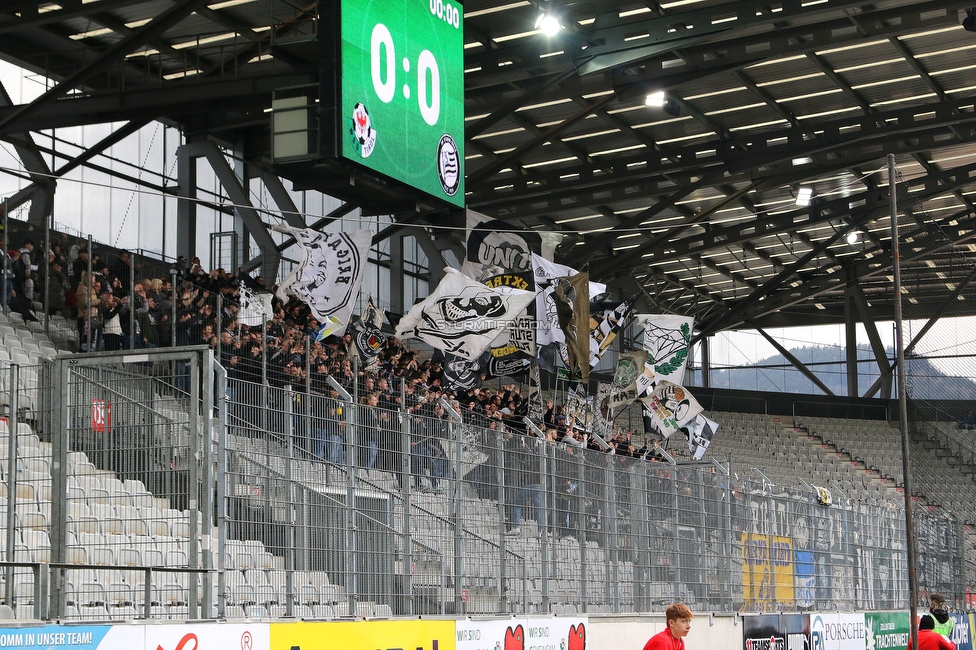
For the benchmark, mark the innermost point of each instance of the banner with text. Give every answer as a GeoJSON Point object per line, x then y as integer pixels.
{"type": "Point", "coordinates": [563, 633]}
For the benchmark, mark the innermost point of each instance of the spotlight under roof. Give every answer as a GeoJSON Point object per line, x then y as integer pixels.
{"type": "Point", "coordinates": [548, 23]}
{"type": "Point", "coordinates": [655, 99]}
{"type": "Point", "coordinates": [803, 196]}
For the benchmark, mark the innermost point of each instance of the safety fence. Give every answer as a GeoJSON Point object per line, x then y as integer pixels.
{"type": "Point", "coordinates": [156, 499]}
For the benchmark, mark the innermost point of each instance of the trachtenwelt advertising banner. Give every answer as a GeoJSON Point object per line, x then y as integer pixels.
{"type": "Point", "coordinates": [563, 633]}
{"type": "Point", "coordinates": [886, 630]}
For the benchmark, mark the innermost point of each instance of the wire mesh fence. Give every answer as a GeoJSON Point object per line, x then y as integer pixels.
{"type": "Point", "coordinates": [148, 497]}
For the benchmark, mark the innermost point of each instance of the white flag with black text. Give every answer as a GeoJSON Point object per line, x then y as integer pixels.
{"type": "Point", "coordinates": [330, 273]}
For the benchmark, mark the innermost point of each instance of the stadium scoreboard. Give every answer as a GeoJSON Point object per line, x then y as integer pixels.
{"type": "Point", "coordinates": [396, 100]}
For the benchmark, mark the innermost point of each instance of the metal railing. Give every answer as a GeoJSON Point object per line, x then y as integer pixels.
{"type": "Point", "coordinates": [284, 501]}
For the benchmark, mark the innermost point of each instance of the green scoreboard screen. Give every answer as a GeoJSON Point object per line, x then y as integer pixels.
{"type": "Point", "coordinates": [400, 103]}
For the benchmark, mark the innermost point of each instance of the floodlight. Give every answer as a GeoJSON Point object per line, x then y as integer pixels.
{"type": "Point", "coordinates": [852, 237]}
{"type": "Point", "coordinates": [655, 99]}
{"type": "Point", "coordinates": [548, 23]}
{"type": "Point", "coordinates": [803, 196]}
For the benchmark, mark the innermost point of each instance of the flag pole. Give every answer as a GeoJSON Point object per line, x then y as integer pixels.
{"type": "Point", "coordinates": [903, 406]}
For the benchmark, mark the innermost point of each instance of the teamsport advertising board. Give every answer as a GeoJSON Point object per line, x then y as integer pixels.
{"type": "Point", "coordinates": [401, 104]}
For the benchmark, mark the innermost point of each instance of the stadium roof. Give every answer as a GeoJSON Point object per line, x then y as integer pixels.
{"type": "Point", "coordinates": [695, 199]}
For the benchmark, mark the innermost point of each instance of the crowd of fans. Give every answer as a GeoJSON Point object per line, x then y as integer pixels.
{"type": "Point", "coordinates": [283, 350]}
{"type": "Point", "coordinates": [190, 306]}
{"type": "Point", "coordinates": [186, 305]}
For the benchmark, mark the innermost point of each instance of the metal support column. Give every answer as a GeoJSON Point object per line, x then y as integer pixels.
{"type": "Point", "coordinates": [457, 523]}
{"type": "Point", "coordinates": [405, 488]}
{"type": "Point", "coordinates": [222, 477]}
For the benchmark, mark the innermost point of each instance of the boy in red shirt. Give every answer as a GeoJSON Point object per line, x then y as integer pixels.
{"type": "Point", "coordinates": [679, 624]}
{"type": "Point", "coordinates": [928, 638]}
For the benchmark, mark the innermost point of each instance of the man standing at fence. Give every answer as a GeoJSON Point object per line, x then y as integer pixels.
{"type": "Point", "coordinates": [940, 614]}
{"type": "Point", "coordinates": [678, 618]}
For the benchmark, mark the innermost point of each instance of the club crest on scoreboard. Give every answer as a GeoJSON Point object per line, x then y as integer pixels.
{"type": "Point", "coordinates": [362, 131]}
{"type": "Point", "coordinates": [448, 165]}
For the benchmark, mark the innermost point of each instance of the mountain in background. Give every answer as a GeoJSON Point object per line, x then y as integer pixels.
{"type": "Point", "coordinates": [776, 374]}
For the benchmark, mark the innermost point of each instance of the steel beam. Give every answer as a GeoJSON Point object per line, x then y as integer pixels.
{"type": "Point", "coordinates": [240, 197]}
{"type": "Point", "coordinates": [877, 346]}
{"type": "Point", "coordinates": [799, 365]}
{"type": "Point", "coordinates": [152, 30]}
{"type": "Point", "coordinates": [43, 183]}
{"type": "Point", "coordinates": [770, 300]}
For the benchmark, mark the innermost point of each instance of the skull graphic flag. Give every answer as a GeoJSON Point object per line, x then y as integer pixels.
{"type": "Point", "coordinates": [330, 273]}
{"type": "Point", "coordinates": [462, 317]}
{"type": "Point", "coordinates": [462, 374]}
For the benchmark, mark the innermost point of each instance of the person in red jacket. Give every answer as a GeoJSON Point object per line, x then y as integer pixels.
{"type": "Point", "coordinates": [928, 638]}
{"type": "Point", "coordinates": [679, 624]}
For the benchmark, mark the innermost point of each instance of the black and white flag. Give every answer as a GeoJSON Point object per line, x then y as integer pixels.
{"type": "Point", "coordinates": [461, 316]}
{"type": "Point", "coordinates": [604, 325]}
{"type": "Point", "coordinates": [255, 308]}
{"type": "Point", "coordinates": [330, 273]}
{"type": "Point", "coordinates": [700, 432]}
{"type": "Point", "coordinates": [462, 374]}
{"type": "Point", "coordinates": [546, 273]}
{"type": "Point", "coordinates": [367, 335]}
{"type": "Point", "coordinates": [495, 246]}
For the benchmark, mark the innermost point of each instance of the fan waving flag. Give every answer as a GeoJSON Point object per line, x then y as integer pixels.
{"type": "Point", "coordinates": [462, 374]}
{"type": "Point", "coordinates": [330, 273]}
{"type": "Point", "coordinates": [623, 390]}
{"type": "Point", "coordinates": [701, 431]}
{"type": "Point", "coordinates": [669, 408]}
{"type": "Point", "coordinates": [463, 317]}
{"type": "Point", "coordinates": [604, 326]}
